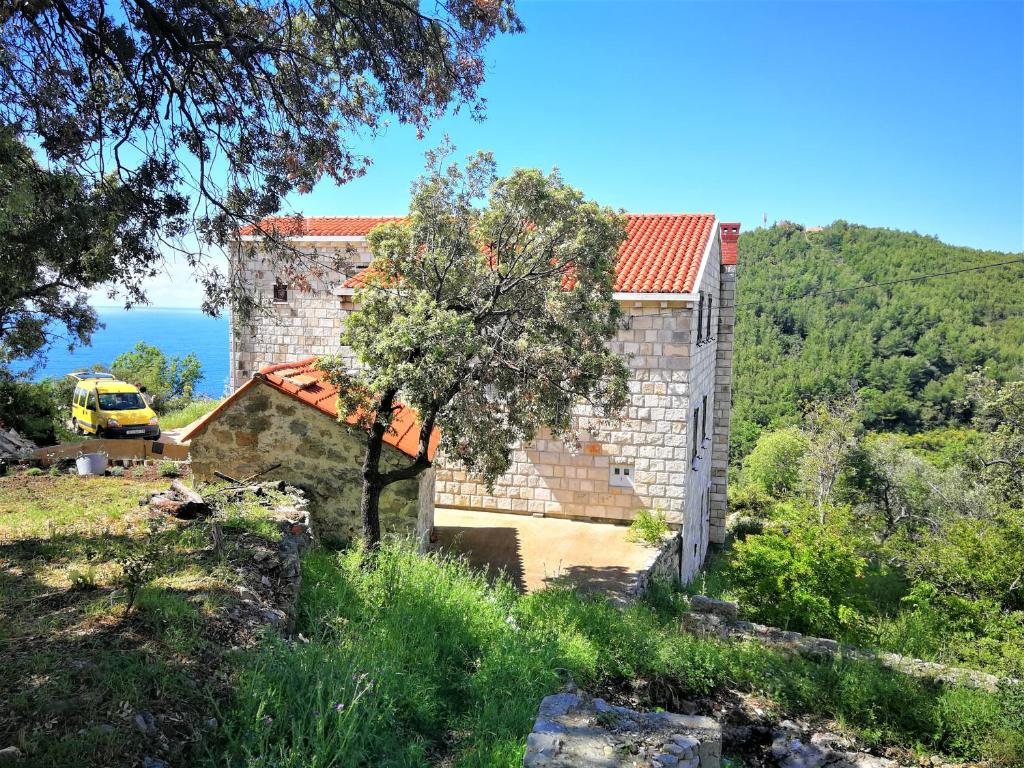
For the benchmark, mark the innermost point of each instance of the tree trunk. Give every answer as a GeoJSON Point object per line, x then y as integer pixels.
{"type": "Point", "coordinates": [373, 486]}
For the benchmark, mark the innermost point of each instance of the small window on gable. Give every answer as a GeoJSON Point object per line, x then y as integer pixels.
{"type": "Point", "coordinates": [711, 303]}
{"type": "Point", "coordinates": [280, 292]}
{"type": "Point", "coordinates": [700, 317]}
{"type": "Point", "coordinates": [620, 475]}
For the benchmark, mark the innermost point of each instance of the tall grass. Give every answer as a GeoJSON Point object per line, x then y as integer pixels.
{"type": "Point", "coordinates": [186, 414]}
{"type": "Point", "coordinates": [419, 661]}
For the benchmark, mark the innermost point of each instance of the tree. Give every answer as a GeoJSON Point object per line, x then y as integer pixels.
{"type": "Point", "coordinates": [831, 430]}
{"type": "Point", "coordinates": [205, 115]}
{"type": "Point", "coordinates": [165, 378]}
{"type": "Point", "coordinates": [491, 321]}
{"type": "Point", "coordinates": [59, 237]}
{"type": "Point", "coordinates": [774, 464]}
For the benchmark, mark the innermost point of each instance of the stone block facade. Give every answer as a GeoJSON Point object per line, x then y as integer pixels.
{"type": "Point", "coordinates": [672, 439]}
{"type": "Point", "coordinates": [261, 427]}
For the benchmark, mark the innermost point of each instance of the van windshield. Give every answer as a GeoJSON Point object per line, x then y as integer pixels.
{"type": "Point", "coordinates": [121, 401]}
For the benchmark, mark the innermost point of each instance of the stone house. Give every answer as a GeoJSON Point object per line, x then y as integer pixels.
{"type": "Point", "coordinates": [675, 281]}
{"type": "Point", "coordinates": [283, 423]}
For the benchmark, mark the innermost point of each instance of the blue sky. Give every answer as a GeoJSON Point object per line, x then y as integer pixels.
{"type": "Point", "coordinates": [907, 115]}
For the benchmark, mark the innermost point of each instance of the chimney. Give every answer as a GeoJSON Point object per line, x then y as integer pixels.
{"type": "Point", "coordinates": [730, 236]}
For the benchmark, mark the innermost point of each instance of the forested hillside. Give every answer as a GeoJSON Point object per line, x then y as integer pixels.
{"type": "Point", "coordinates": [905, 348]}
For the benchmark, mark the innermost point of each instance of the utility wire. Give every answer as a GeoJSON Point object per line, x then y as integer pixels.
{"type": "Point", "coordinates": [914, 279]}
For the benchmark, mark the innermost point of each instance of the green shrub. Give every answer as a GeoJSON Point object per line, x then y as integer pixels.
{"type": "Point", "coordinates": [169, 469]}
{"type": "Point", "coordinates": [34, 472]}
{"type": "Point", "coordinates": [165, 378]}
{"type": "Point", "coordinates": [773, 467]}
{"type": "Point", "coordinates": [801, 578]}
{"type": "Point", "coordinates": [648, 527]}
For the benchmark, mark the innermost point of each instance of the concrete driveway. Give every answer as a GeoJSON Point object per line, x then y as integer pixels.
{"type": "Point", "coordinates": [536, 552]}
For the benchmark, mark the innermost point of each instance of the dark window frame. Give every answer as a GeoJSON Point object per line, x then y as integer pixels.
{"type": "Point", "coordinates": [693, 441]}
{"type": "Point", "coordinates": [280, 292]}
{"type": "Point", "coordinates": [711, 304]}
{"type": "Point", "coordinates": [700, 318]}
{"type": "Point", "coordinates": [704, 420]}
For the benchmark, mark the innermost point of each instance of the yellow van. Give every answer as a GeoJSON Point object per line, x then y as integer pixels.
{"type": "Point", "coordinates": [105, 407]}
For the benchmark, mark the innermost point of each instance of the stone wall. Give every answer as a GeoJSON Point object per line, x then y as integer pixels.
{"type": "Point", "coordinates": [263, 427]}
{"type": "Point", "coordinates": [309, 323]}
{"type": "Point", "coordinates": [723, 403]}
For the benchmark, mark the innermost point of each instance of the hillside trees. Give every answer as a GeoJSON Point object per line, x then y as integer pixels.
{"type": "Point", "coordinates": [197, 117]}
{"type": "Point", "coordinates": [907, 349]}
{"type": "Point", "coordinates": [490, 320]}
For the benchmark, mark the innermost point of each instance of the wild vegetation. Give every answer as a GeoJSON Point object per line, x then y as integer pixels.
{"type": "Point", "coordinates": [918, 546]}
{"type": "Point", "coordinates": [905, 348]}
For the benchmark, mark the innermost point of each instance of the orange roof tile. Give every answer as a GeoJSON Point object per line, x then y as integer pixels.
{"type": "Point", "coordinates": [310, 386]}
{"type": "Point", "coordinates": [320, 226]}
{"type": "Point", "coordinates": [661, 253]}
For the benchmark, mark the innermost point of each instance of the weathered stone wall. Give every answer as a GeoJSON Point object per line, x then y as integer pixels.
{"type": "Point", "coordinates": [723, 404]}
{"type": "Point", "coordinates": [264, 427]}
{"type": "Point", "coordinates": [309, 323]}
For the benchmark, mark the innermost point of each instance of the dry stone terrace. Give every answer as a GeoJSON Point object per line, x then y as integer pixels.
{"type": "Point", "coordinates": [668, 451]}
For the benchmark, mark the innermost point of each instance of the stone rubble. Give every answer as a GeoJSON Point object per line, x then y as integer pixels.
{"type": "Point", "coordinates": [574, 729]}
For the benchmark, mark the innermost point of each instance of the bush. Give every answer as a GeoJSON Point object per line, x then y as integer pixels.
{"type": "Point", "coordinates": [803, 578]}
{"type": "Point", "coordinates": [37, 410]}
{"type": "Point", "coordinates": [648, 527]}
{"type": "Point", "coordinates": [773, 467]}
{"type": "Point", "coordinates": [165, 378]}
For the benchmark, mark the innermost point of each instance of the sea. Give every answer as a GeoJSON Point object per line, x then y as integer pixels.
{"type": "Point", "coordinates": [174, 331]}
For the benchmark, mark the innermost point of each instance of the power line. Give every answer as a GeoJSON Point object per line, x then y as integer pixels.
{"type": "Point", "coordinates": [914, 279]}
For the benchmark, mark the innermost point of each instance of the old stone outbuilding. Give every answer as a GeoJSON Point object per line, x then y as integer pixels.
{"type": "Point", "coordinates": [286, 415]}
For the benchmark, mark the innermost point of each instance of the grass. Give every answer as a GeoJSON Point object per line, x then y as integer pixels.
{"type": "Point", "coordinates": [182, 417]}
{"type": "Point", "coordinates": [75, 666]}
{"type": "Point", "coordinates": [648, 527]}
{"type": "Point", "coordinates": [420, 661]}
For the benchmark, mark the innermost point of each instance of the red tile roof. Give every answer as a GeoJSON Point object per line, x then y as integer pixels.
{"type": "Point", "coordinates": [310, 386]}
{"type": "Point", "coordinates": [321, 226]}
{"type": "Point", "coordinates": [661, 253]}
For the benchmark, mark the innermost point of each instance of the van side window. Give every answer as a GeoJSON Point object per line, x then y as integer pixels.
{"type": "Point", "coordinates": [92, 401]}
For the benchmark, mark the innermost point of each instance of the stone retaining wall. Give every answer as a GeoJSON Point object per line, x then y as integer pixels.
{"type": "Point", "coordinates": [717, 618]}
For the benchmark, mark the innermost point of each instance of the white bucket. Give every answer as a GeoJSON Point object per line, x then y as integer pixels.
{"type": "Point", "coordinates": [92, 463]}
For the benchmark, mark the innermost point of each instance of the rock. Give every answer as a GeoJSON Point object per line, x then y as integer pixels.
{"type": "Point", "coordinates": [154, 762]}
{"type": "Point", "coordinates": [9, 755]}
{"type": "Point", "coordinates": [723, 608]}
{"type": "Point", "coordinates": [574, 729]}
{"type": "Point", "coordinates": [145, 723]}
{"type": "Point", "coordinates": [210, 723]}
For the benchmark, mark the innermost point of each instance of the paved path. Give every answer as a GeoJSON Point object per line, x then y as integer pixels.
{"type": "Point", "coordinates": [536, 552]}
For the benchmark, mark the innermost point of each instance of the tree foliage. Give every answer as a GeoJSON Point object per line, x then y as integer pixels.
{"type": "Point", "coordinates": [907, 349]}
{"type": "Point", "coordinates": [488, 311]}
{"type": "Point", "coordinates": [165, 378]}
{"type": "Point", "coordinates": [59, 238]}
{"type": "Point", "coordinates": [204, 115]}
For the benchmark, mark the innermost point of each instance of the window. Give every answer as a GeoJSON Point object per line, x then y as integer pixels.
{"type": "Point", "coordinates": [280, 292]}
{"type": "Point", "coordinates": [693, 431]}
{"type": "Point", "coordinates": [92, 401]}
{"type": "Point", "coordinates": [711, 302]}
{"type": "Point", "coordinates": [122, 401]}
{"type": "Point", "coordinates": [620, 476]}
{"type": "Point", "coordinates": [700, 317]}
{"type": "Point", "coordinates": [704, 420]}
